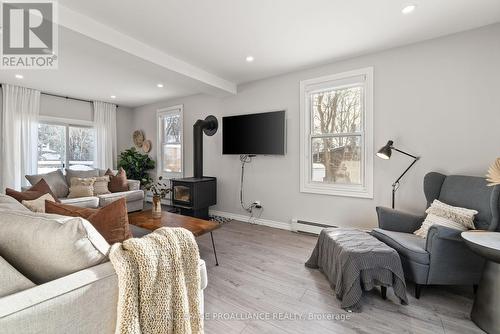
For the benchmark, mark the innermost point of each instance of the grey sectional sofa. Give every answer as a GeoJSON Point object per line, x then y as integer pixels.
{"type": "Point", "coordinates": [59, 184]}
{"type": "Point", "coordinates": [83, 301]}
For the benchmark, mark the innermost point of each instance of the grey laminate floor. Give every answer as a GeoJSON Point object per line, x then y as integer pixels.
{"type": "Point", "coordinates": [262, 273]}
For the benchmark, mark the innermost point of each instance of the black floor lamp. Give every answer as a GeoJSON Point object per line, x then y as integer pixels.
{"type": "Point", "coordinates": [385, 153]}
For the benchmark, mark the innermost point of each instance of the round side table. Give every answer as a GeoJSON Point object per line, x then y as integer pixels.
{"type": "Point", "coordinates": [486, 309]}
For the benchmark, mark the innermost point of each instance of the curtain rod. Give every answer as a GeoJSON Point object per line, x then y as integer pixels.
{"type": "Point", "coordinates": [66, 97]}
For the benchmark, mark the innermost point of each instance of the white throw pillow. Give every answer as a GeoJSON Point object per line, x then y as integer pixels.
{"type": "Point", "coordinates": [11, 280]}
{"type": "Point", "coordinates": [44, 247]}
{"type": "Point", "coordinates": [38, 205]}
{"type": "Point", "coordinates": [10, 204]}
{"type": "Point", "coordinates": [443, 214]}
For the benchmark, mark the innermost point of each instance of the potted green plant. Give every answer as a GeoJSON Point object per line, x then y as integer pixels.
{"type": "Point", "coordinates": [136, 165]}
{"type": "Point", "coordinates": [160, 189]}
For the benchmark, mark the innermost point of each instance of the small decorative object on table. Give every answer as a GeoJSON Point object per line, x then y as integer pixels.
{"type": "Point", "coordinates": [159, 189]}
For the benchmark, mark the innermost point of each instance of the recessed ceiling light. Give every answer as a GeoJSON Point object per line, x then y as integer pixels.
{"type": "Point", "coordinates": [19, 76]}
{"type": "Point", "coordinates": [160, 85]}
{"type": "Point", "coordinates": [113, 96]}
{"type": "Point", "coordinates": [408, 9]}
{"type": "Point", "coordinates": [249, 59]}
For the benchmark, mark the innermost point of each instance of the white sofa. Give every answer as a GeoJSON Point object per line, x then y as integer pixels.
{"type": "Point", "coordinates": [83, 302]}
{"type": "Point", "coordinates": [60, 183]}
{"type": "Point", "coordinates": [134, 197]}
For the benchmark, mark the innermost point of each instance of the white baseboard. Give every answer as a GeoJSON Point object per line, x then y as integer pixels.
{"type": "Point", "coordinates": [258, 221]}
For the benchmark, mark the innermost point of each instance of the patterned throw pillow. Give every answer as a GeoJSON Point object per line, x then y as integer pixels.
{"type": "Point", "coordinates": [81, 187]}
{"type": "Point", "coordinates": [101, 185]}
{"type": "Point", "coordinates": [83, 174]}
{"type": "Point", "coordinates": [443, 214]}
{"type": "Point", "coordinates": [38, 205]}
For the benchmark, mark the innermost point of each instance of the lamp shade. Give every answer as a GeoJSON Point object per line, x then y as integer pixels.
{"type": "Point", "coordinates": [386, 151]}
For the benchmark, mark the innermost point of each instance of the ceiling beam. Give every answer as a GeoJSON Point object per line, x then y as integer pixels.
{"type": "Point", "coordinates": [89, 27]}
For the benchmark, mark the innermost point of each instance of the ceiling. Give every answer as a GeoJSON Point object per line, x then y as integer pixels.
{"type": "Point", "coordinates": [125, 48]}
{"type": "Point", "coordinates": [91, 70]}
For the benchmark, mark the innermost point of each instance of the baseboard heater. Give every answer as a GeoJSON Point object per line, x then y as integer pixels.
{"type": "Point", "coordinates": [303, 226]}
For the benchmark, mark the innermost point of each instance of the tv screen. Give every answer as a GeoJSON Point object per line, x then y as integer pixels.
{"type": "Point", "coordinates": [262, 133]}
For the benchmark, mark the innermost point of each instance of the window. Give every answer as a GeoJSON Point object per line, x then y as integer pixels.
{"type": "Point", "coordinates": [63, 145]}
{"type": "Point", "coordinates": [337, 134]}
{"type": "Point", "coordinates": [170, 142]}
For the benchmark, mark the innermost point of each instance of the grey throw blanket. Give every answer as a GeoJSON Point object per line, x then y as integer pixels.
{"type": "Point", "coordinates": [353, 260]}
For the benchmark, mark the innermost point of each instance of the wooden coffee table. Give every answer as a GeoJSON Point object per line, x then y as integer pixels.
{"type": "Point", "coordinates": [197, 226]}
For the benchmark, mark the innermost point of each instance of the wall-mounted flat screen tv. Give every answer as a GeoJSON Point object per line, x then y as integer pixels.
{"type": "Point", "coordinates": [263, 134]}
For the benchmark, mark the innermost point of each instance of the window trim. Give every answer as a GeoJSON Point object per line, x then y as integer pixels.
{"type": "Point", "coordinates": [365, 190]}
{"type": "Point", "coordinates": [67, 123]}
{"type": "Point", "coordinates": [177, 109]}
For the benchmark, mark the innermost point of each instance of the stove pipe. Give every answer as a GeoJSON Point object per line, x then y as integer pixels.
{"type": "Point", "coordinates": [209, 125]}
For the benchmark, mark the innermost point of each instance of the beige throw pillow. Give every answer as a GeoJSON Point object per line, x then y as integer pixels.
{"type": "Point", "coordinates": [81, 187]}
{"type": "Point", "coordinates": [83, 174]}
{"type": "Point", "coordinates": [11, 280]}
{"type": "Point", "coordinates": [443, 214]}
{"type": "Point", "coordinates": [38, 205]}
{"type": "Point", "coordinates": [44, 246]}
{"type": "Point", "coordinates": [101, 185]}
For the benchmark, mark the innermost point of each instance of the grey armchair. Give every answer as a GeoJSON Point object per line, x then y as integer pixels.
{"type": "Point", "coordinates": [442, 258]}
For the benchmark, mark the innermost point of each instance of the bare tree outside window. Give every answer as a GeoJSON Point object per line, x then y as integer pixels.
{"type": "Point", "coordinates": [171, 145]}
{"type": "Point", "coordinates": [336, 135]}
{"type": "Point", "coordinates": [53, 153]}
{"type": "Point", "coordinates": [172, 129]}
{"type": "Point", "coordinates": [336, 114]}
{"type": "Point", "coordinates": [51, 147]}
{"type": "Point", "coordinates": [81, 148]}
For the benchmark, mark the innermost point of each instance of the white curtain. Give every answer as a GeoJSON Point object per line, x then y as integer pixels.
{"type": "Point", "coordinates": [19, 135]}
{"type": "Point", "coordinates": [105, 125]}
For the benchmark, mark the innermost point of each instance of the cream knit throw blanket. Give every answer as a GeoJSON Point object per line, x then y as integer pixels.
{"type": "Point", "coordinates": [158, 282]}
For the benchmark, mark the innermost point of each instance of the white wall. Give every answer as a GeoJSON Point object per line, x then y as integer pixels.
{"type": "Point", "coordinates": [124, 128]}
{"type": "Point", "coordinates": [439, 99]}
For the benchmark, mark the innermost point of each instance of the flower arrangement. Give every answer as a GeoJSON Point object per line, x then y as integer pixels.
{"type": "Point", "coordinates": [159, 188]}
{"type": "Point", "coordinates": [493, 176]}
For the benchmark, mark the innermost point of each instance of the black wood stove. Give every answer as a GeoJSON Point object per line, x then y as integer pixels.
{"type": "Point", "coordinates": [194, 195]}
